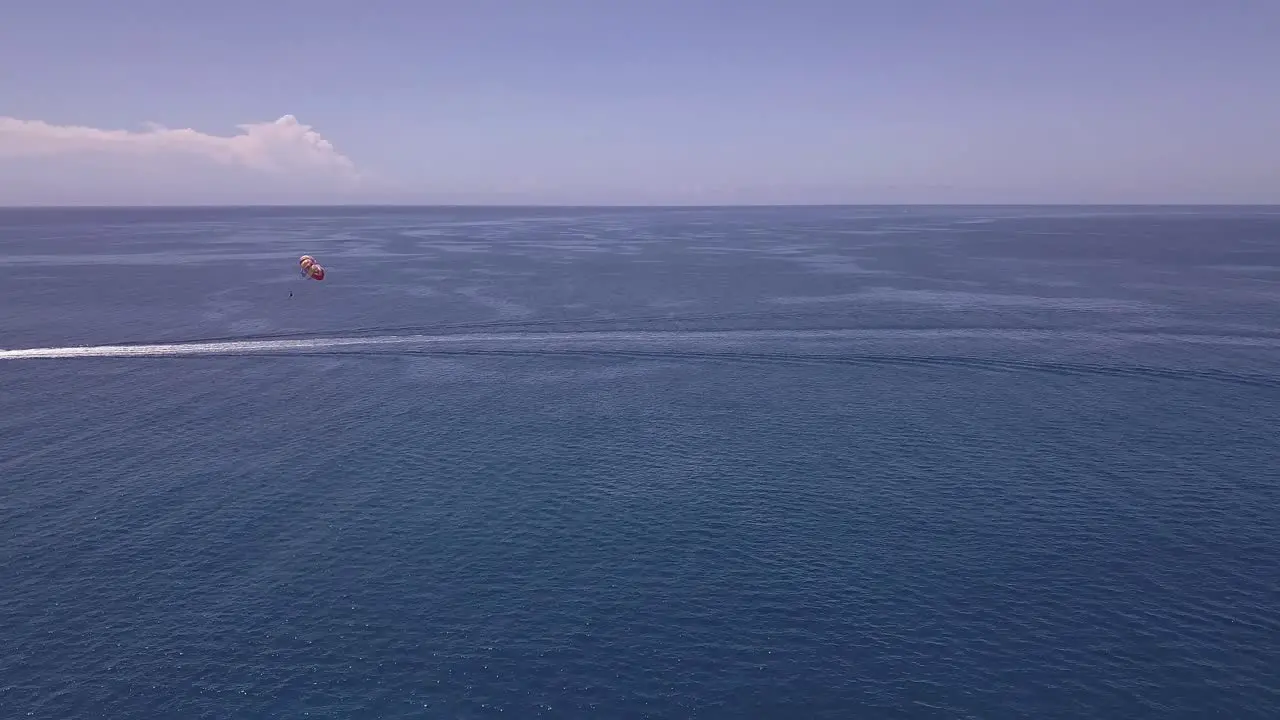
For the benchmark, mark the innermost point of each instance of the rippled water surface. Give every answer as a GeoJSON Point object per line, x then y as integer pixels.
{"type": "Point", "coordinates": [622, 463]}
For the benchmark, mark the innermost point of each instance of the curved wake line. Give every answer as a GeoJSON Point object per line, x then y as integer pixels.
{"type": "Point", "coordinates": [319, 345]}
{"type": "Point", "coordinates": [277, 346]}
{"type": "Point", "coordinates": [676, 345]}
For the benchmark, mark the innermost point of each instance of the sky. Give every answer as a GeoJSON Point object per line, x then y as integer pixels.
{"type": "Point", "coordinates": [587, 102]}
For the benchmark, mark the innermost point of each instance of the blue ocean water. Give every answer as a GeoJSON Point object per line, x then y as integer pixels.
{"type": "Point", "coordinates": [628, 463]}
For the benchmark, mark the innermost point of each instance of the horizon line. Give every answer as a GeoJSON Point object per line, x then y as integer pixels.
{"type": "Point", "coordinates": [609, 206]}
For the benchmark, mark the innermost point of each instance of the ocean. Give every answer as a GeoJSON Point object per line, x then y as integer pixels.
{"type": "Point", "coordinates": [827, 462]}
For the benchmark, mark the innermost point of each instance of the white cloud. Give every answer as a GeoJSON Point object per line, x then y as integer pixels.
{"type": "Point", "coordinates": [280, 161]}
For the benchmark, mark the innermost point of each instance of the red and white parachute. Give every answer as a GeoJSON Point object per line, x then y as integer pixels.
{"type": "Point", "coordinates": [311, 268]}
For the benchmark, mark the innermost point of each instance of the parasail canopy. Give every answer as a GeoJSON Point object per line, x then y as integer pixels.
{"type": "Point", "coordinates": [311, 268]}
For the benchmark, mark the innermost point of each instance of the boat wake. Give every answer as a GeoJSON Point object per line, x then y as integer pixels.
{"type": "Point", "coordinates": [849, 347]}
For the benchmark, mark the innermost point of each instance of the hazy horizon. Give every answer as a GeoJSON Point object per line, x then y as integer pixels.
{"type": "Point", "coordinates": [654, 103]}
{"type": "Point", "coordinates": [624, 206]}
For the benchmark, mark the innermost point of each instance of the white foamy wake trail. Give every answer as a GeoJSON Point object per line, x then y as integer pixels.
{"type": "Point", "coordinates": [233, 347]}
{"type": "Point", "coordinates": [587, 340]}
{"type": "Point", "coordinates": [305, 346]}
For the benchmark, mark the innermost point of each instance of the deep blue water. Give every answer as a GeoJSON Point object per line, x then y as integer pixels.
{"type": "Point", "coordinates": [714, 463]}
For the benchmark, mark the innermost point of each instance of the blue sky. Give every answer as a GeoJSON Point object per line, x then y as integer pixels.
{"type": "Point", "coordinates": [642, 101]}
